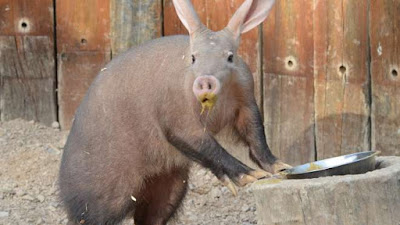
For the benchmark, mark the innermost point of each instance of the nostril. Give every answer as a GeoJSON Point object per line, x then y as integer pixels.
{"type": "Point", "coordinates": [206, 84]}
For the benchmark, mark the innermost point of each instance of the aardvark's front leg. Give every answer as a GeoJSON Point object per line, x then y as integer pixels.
{"type": "Point", "coordinates": [251, 129]}
{"type": "Point", "coordinates": [204, 149]}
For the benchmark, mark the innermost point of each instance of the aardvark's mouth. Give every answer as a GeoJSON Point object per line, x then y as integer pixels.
{"type": "Point", "coordinates": [207, 101]}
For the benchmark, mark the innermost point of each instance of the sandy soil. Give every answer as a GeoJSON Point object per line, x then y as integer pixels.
{"type": "Point", "coordinates": [30, 157]}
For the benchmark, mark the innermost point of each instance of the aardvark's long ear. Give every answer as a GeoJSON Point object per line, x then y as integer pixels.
{"type": "Point", "coordinates": [187, 15]}
{"type": "Point", "coordinates": [250, 14]}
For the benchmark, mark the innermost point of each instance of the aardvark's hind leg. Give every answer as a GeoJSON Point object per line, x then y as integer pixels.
{"type": "Point", "coordinates": [164, 194]}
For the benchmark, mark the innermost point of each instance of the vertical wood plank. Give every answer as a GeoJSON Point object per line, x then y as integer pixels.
{"type": "Point", "coordinates": [342, 105]}
{"type": "Point", "coordinates": [24, 17]}
{"type": "Point", "coordinates": [83, 25]}
{"type": "Point", "coordinates": [7, 17]}
{"type": "Point", "coordinates": [27, 73]}
{"type": "Point", "coordinates": [134, 22]}
{"type": "Point", "coordinates": [288, 81]}
{"type": "Point", "coordinates": [76, 71]}
{"type": "Point", "coordinates": [384, 33]}
{"type": "Point", "coordinates": [216, 15]}
{"type": "Point", "coordinates": [83, 46]}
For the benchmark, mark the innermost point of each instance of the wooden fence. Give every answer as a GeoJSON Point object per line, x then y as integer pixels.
{"type": "Point", "coordinates": [326, 71]}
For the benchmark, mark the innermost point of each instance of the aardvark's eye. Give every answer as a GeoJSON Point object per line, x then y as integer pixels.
{"type": "Point", "coordinates": [230, 57]}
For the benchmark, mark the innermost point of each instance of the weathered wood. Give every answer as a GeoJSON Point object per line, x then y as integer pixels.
{"type": "Point", "coordinates": [33, 100]}
{"type": "Point", "coordinates": [82, 25]}
{"type": "Point", "coordinates": [384, 33]}
{"type": "Point", "coordinates": [27, 74]}
{"type": "Point", "coordinates": [368, 199]}
{"type": "Point", "coordinates": [27, 70]}
{"type": "Point", "coordinates": [288, 81]}
{"type": "Point", "coordinates": [26, 17]}
{"type": "Point", "coordinates": [7, 17]}
{"type": "Point", "coordinates": [134, 22]}
{"type": "Point", "coordinates": [342, 104]}
{"type": "Point", "coordinates": [27, 57]}
{"type": "Point", "coordinates": [83, 46]}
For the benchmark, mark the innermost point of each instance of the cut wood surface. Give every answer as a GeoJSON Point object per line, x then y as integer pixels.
{"type": "Point", "coordinates": [288, 81]}
{"type": "Point", "coordinates": [384, 32]}
{"type": "Point", "coordinates": [342, 94]}
{"type": "Point", "coordinates": [27, 73]}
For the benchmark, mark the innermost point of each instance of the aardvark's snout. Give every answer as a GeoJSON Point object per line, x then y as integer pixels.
{"type": "Point", "coordinates": [206, 89]}
{"type": "Point", "coordinates": [205, 84]}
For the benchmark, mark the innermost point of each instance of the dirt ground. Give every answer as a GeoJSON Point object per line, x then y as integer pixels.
{"type": "Point", "coordinates": [30, 157]}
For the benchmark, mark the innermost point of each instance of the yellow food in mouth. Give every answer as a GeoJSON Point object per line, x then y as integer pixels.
{"type": "Point", "coordinates": [207, 101]}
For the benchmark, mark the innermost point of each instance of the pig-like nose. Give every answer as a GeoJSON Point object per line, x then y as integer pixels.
{"type": "Point", "coordinates": [206, 84]}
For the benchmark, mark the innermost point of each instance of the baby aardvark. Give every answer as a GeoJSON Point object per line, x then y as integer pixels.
{"type": "Point", "coordinates": [156, 109]}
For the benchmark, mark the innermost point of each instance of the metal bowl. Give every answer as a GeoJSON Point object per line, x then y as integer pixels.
{"type": "Point", "coordinates": [356, 163]}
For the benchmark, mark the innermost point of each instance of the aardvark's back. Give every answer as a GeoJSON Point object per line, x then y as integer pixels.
{"type": "Point", "coordinates": [117, 129]}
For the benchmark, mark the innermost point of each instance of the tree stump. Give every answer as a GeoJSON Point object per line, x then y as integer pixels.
{"type": "Point", "coordinates": [367, 199]}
